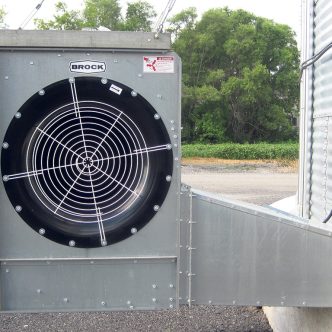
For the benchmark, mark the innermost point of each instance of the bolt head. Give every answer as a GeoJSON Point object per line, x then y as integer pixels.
{"type": "Point", "coordinates": [168, 178]}
{"type": "Point", "coordinates": [169, 146]}
{"type": "Point", "coordinates": [104, 243]}
{"type": "Point", "coordinates": [41, 92]}
{"type": "Point", "coordinates": [154, 300]}
{"type": "Point", "coordinates": [18, 115]}
{"type": "Point", "coordinates": [134, 93]}
{"type": "Point", "coordinates": [5, 145]}
{"type": "Point", "coordinates": [171, 306]}
{"type": "Point", "coordinates": [103, 303]}
{"type": "Point", "coordinates": [157, 116]}
{"type": "Point", "coordinates": [72, 243]}
{"type": "Point", "coordinates": [128, 302]}
{"type": "Point", "coordinates": [18, 208]}
{"type": "Point", "coordinates": [31, 63]}
{"type": "Point", "coordinates": [154, 286]}
{"type": "Point", "coordinates": [42, 231]}
{"type": "Point", "coordinates": [104, 80]}
{"type": "Point", "coordinates": [133, 230]}
{"type": "Point", "coordinates": [65, 300]}
{"type": "Point", "coordinates": [171, 286]}
{"type": "Point", "coordinates": [5, 178]}
{"type": "Point", "coordinates": [71, 80]}
{"type": "Point", "coordinates": [156, 207]}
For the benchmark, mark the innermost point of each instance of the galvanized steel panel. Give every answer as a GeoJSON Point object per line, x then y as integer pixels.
{"type": "Point", "coordinates": [249, 255]}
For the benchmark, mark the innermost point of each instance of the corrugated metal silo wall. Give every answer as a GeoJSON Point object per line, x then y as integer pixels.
{"type": "Point", "coordinates": [321, 177]}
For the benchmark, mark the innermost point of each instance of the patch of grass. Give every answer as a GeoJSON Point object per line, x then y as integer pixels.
{"type": "Point", "coordinates": [280, 151]}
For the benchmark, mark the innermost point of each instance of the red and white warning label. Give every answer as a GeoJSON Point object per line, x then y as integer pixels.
{"type": "Point", "coordinates": [158, 64]}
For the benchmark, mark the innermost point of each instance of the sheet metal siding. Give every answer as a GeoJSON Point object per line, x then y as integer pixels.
{"type": "Point", "coordinates": [321, 186]}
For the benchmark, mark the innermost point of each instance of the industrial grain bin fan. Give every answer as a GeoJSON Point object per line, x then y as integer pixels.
{"type": "Point", "coordinates": [93, 162]}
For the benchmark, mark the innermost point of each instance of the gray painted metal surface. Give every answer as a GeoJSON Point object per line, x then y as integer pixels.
{"type": "Point", "coordinates": [123, 271]}
{"type": "Point", "coordinates": [321, 179]}
{"type": "Point", "coordinates": [84, 39]}
{"type": "Point", "coordinates": [250, 255]}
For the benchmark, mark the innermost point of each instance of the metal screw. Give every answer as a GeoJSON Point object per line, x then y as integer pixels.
{"type": "Point", "coordinates": [71, 80]}
{"type": "Point", "coordinates": [103, 303]}
{"type": "Point", "coordinates": [128, 302]}
{"type": "Point", "coordinates": [175, 136]}
{"type": "Point", "coordinates": [156, 207]}
{"type": "Point", "coordinates": [5, 178]}
{"type": "Point", "coordinates": [39, 291]}
{"type": "Point", "coordinates": [6, 77]}
{"type": "Point", "coordinates": [104, 80]}
{"type": "Point", "coordinates": [59, 55]}
{"type": "Point", "coordinates": [18, 115]}
{"type": "Point", "coordinates": [171, 299]}
{"type": "Point", "coordinates": [41, 92]}
{"type": "Point", "coordinates": [5, 145]}
{"type": "Point", "coordinates": [42, 231]}
{"type": "Point", "coordinates": [133, 230]}
{"type": "Point", "coordinates": [154, 300]}
{"type": "Point", "coordinates": [31, 63]}
{"type": "Point", "coordinates": [134, 93]}
{"type": "Point", "coordinates": [169, 146]}
{"type": "Point", "coordinates": [140, 75]}
{"type": "Point", "coordinates": [159, 96]}
{"type": "Point", "coordinates": [157, 116]}
{"type": "Point", "coordinates": [171, 286]}
{"type": "Point", "coordinates": [131, 307]}
{"type": "Point", "coordinates": [104, 243]}
{"type": "Point", "coordinates": [171, 306]}
{"type": "Point", "coordinates": [72, 243]}
{"type": "Point", "coordinates": [154, 286]}
{"type": "Point", "coordinates": [172, 121]}
{"type": "Point", "coordinates": [18, 208]}
{"type": "Point", "coordinates": [65, 300]}
{"type": "Point", "coordinates": [149, 39]}
{"type": "Point", "coordinates": [172, 128]}
{"type": "Point", "coordinates": [168, 178]}
{"type": "Point", "coordinates": [115, 61]}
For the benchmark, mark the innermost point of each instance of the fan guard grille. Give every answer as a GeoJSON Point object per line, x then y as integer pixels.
{"type": "Point", "coordinates": [93, 166]}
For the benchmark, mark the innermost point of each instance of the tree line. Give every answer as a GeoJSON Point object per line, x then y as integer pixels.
{"type": "Point", "coordinates": [240, 71]}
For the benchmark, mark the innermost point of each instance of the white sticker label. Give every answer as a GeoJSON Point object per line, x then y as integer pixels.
{"type": "Point", "coordinates": [158, 64]}
{"type": "Point", "coordinates": [87, 67]}
{"type": "Point", "coordinates": [116, 89]}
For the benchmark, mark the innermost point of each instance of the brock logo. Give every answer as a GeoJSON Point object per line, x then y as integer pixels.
{"type": "Point", "coordinates": [88, 67]}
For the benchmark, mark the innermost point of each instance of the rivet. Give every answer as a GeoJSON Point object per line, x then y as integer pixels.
{"type": "Point", "coordinates": [154, 286]}
{"type": "Point", "coordinates": [131, 307]}
{"type": "Point", "coordinates": [171, 299]}
{"type": "Point", "coordinates": [31, 63]}
{"type": "Point", "coordinates": [156, 207]}
{"type": "Point", "coordinates": [140, 75]}
{"type": "Point", "coordinates": [176, 158]}
{"type": "Point", "coordinates": [59, 55]}
{"type": "Point", "coordinates": [6, 77]}
{"type": "Point", "coordinates": [65, 300]}
{"type": "Point", "coordinates": [18, 115]}
{"type": "Point", "coordinates": [103, 303]}
{"type": "Point", "coordinates": [171, 286]}
{"type": "Point", "coordinates": [133, 230]}
{"type": "Point", "coordinates": [88, 54]}
{"type": "Point", "coordinates": [149, 39]}
{"type": "Point", "coordinates": [39, 291]}
{"type": "Point", "coordinates": [7, 270]}
{"type": "Point", "coordinates": [104, 80]}
{"type": "Point", "coordinates": [41, 92]}
{"type": "Point", "coordinates": [41, 231]}
{"type": "Point", "coordinates": [175, 136]}
{"type": "Point", "coordinates": [172, 128]}
{"type": "Point", "coordinates": [168, 178]}
{"type": "Point", "coordinates": [169, 146]}
{"type": "Point", "coordinates": [115, 61]}
{"type": "Point", "coordinates": [172, 121]}
{"type": "Point", "coordinates": [72, 243]}
{"type": "Point", "coordinates": [154, 300]}
{"type": "Point", "coordinates": [134, 93]}
{"type": "Point", "coordinates": [157, 116]}
{"type": "Point", "coordinates": [171, 306]}
{"type": "Point", "coordinates": [159, 96]}
{"type": "Point", "coordinates": [104, 243]}
{"type": "Point", "coordinates": [71, 80]}
{"type": "Point", "coordinates": [18, 208]}
{"type": "Point", "coordinates": [175, 145]}
{"type": "Point", "coordinates": [128, 302]}
{"type": "Point", "coordinates": [5, 145]}
{"type": "Point", "coordinates": [210, 302]}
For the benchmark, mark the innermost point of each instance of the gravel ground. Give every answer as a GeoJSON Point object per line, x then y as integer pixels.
{"type": "Point", "coordinates": [246, 182]}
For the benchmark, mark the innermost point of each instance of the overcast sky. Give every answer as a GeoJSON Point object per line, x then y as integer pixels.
{"type": "Point", "coordinates": [281, 11]}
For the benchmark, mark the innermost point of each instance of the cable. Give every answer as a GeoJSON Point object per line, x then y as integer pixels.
{"type": "Point", "coordinates": [162, 18]}
{"type": "Point", "coordinates": [313, 59]}
{"type": "Point", "coordinates": [327, 218]}
{"type": "Point", "coordinates": [30, 16]}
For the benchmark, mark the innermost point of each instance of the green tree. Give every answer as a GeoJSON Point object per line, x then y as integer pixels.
{"type": "Point", "coordinates": [2, 17]}
{"type": "Point", "coordinates": [251, 62]}
{"type": "Point", "coordinates": [64, 19]}
{"type": "Point", "coordinates": [100, 13]}
{"type": "Point", "coordinates": [139, 16]}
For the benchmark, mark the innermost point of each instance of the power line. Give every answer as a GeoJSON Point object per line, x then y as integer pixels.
{"type": "Point", "coordinates": [31, 15]}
